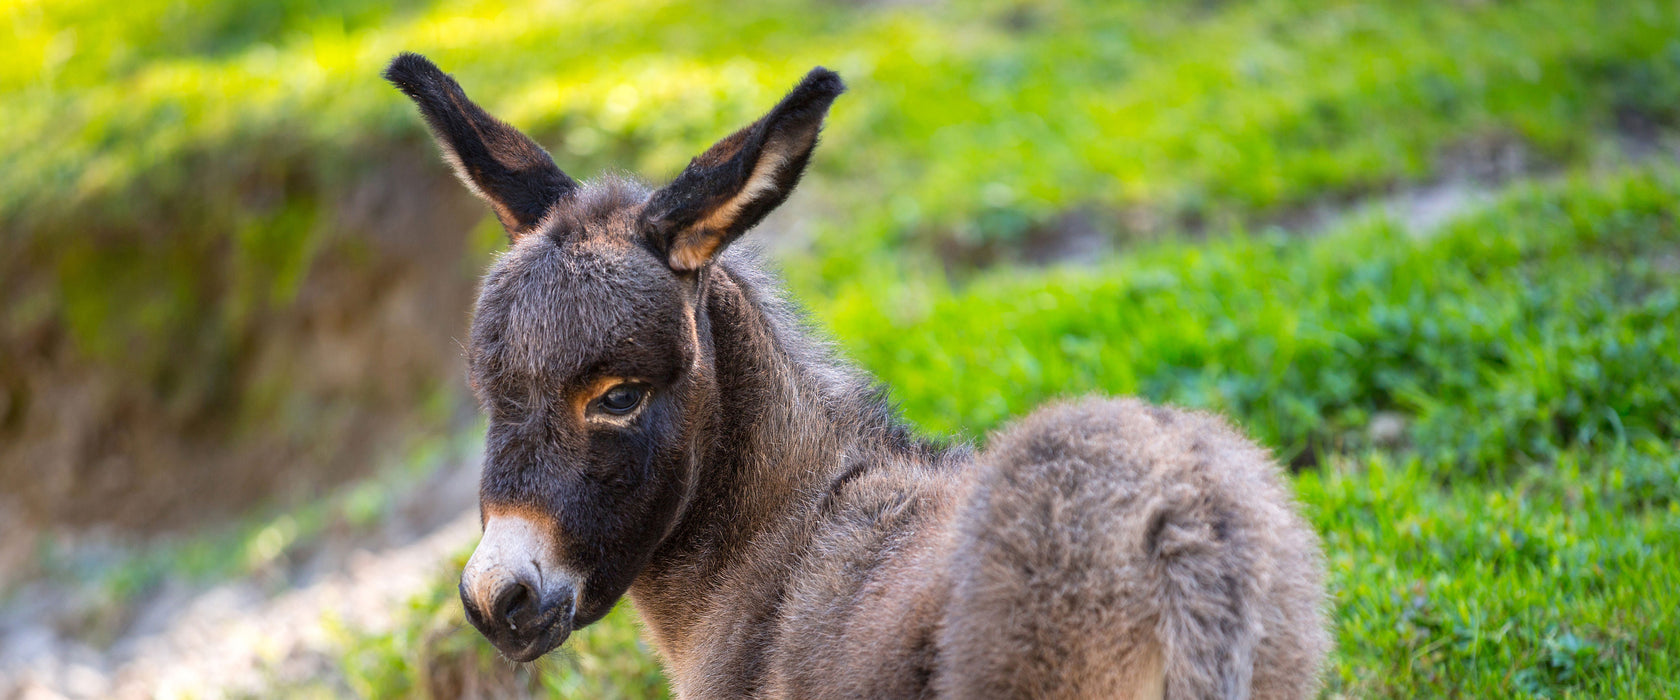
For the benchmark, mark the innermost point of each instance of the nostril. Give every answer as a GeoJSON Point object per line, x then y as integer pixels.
{"type": "Point", "coordinates": [513, 604]}
{"type": "Point", "coordinates": [471, 608]}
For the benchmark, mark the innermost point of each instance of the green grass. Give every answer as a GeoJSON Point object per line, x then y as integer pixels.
{"type": "Point", "coordinates": [1012, 111]}
{"type": "Point", "coordinates": [1558, 583]}
{"type": "Point", "coordinates": [1522, 538]}
{"type": "Point", "coordinates": [1545, 321]}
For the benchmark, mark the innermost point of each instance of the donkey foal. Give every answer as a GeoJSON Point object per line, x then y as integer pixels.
{"type": "Point", "coordinates": [663, 425]}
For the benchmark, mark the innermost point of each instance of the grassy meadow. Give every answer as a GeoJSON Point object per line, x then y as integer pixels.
{"type": "Point", "coordinates": [1479, 400]}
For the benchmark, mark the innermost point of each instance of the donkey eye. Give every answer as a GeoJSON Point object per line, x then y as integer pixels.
{"type": "Point", "coordinates": [622, 399]}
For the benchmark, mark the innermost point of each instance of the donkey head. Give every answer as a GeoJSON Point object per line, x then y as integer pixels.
{"type": "Point", "coordinates": [590, 350]}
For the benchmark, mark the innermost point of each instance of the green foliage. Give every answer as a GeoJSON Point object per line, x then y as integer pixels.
{"type": "Point", "coordinates": [1551, 585]}
{"type": "Point", "coordinates": [1546, 321]}
{"type": "Point", "coordinates": [978, 119]}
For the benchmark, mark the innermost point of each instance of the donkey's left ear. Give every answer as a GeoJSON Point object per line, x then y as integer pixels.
{"type": "Point", "coordinates": [732, 186]}
{"type": "Point", "coordinates": [498, 163]}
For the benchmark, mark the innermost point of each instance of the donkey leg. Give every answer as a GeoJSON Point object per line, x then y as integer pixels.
{"type": "Point", "coordinates": [1113, 549]}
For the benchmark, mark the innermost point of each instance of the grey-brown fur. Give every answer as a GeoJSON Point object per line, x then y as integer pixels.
{"type": "Point", "coordinates": [1123, 521]}
{"type": "Point", "coordinates": [781, 531]}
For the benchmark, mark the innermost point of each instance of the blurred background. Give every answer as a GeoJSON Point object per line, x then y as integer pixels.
{"type": "Point", "coordinates": [1428, 253]}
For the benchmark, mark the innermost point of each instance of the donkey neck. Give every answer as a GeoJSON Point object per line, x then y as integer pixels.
{"type": "Point", "coordinates": [789, 417]}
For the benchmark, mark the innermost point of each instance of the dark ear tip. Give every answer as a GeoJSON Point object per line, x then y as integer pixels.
{"type": "Point", "coordinates": [823, 81]}
{"type": "Point", "coordinates": [410, 70]}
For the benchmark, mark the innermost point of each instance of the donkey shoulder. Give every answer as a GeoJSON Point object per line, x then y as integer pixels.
{"type": "Point", "coordinates": [860, 613]}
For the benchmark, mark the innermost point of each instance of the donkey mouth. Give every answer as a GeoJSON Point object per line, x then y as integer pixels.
{"type": "Point", "coordinates": [548, 640]}
{"type": "Point", "coordinates": [529, 642]}
{"type": "Point", "coordinates": [550, 631]}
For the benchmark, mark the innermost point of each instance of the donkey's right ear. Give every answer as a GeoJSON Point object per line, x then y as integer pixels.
{"type": "Point", "coordinates": [733, 185]}
{"type": "Point", "coordinates": [497, 162]}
